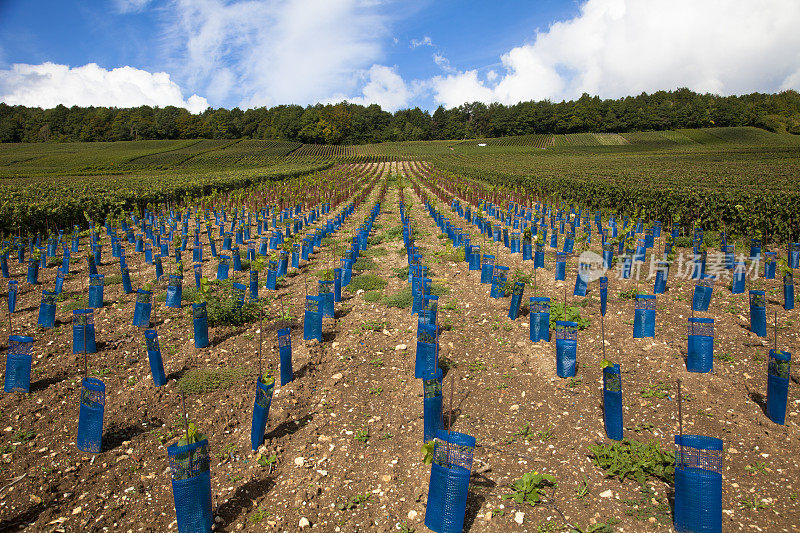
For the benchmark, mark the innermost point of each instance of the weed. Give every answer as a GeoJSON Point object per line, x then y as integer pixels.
{"type": "Point", "coordinates": [477, 366]}
{"type": "Point", "coordinates": [372, 296]}
{"type": "Point", "coordinates": [659, 390]}
{"type": "Point", "coordinates": [401, 273]}
{"type": "Point", "coordinates": [374, 325]}
{"type": "Point", "coordinates": [363, 263]}
{"type": "Point", "coordinates": [24, 436]}
{"type": "Point", "coordinates": [221, 305]}
{"type": "Point", "coordinates": [756, 468]}
{"type": "Point", "coordinates": [572, 314]}
{"type": "Point", "coordinates": [401, 300]}
{"type": "Point", "coordinates": [367, 282]}
{"type": "Point", "coordinates": [724, 356]}
{"type": "Point", "coordinates": [258, 515]}
{"type": "Point", "coordinates": [362, 435]}
{"type": "Point", "coordinates": [354, 502]}
{"type": "Point", "coordinates": [600, 527]}
{"type": "Point", "coordinates": [375, 391]}
{"type": "Point", "coordinates": [648, 506]}
{"type": "Point", "coordinates": [583, 489]}
{"type": "Point", "coordinates": [203, 380]}
{"type": "Point", "coordinates": [530, 488]}
{"type": "Point", "coordinates": [524, 432]}
{"type": "Point", "coordinates": [754, 504]}
{"type": "Point", "coordinates": [377, 363]}
{"type": "Point", "coordinates": [405, 528]}
{"type": "Point", "coordinates": [451, 306]}
{"type": "Point", "coordinates": [633, 459]}
{"type": "Point", "coordinates": [573, 382]}
{"type": "Point", "coordinates": [630, 294]}
{"type": "Point", "coordinates": [267, 461]}
{"type": "Point", "coordinates": [73, 306]}
{"type": "Point", "coordinates": [545, 435]}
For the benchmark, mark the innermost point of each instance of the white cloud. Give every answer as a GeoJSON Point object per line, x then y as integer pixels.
{"type": "Point", "coordinates": [454, 90]}
{"type": "Point", "coordinates": [49, 84]}
{"type": "Point", "coordinates": [442, 62]}
{"type": "Point", "coordinates": [425, 41]}
{"type": "Point", "coordinates": [384, 86]}
{"type": "Point", "coordinates": [491, 75]}
{"type": "Point", "coordinates": [131, 6]}
{"type": "Point", "coordinates": [262, 52]}
{"type": "Point", "coordinates": [614, 48]}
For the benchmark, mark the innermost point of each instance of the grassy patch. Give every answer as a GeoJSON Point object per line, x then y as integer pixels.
{"type": "Point", "coordinates": [73, 306]}
{"type": "Point", "coordinates": [448, 253]}
{"type": "Point", "coordinates": [376, 252]}
{"type": "Point", "coordinates": [404, 298]}
{"type": "Point", "coordinates": [401, 273]}
{"type": "Point", "coordinates": [367, 282]}
{"type": "Point", "coordinates": [112, 280]}
{"type": "Point", "coordinates": [372, 296]}
{"type": "Point", "coordinates": [374, 325]}
{"type": "Point", "coordinates": [395, 233]}
{"type": "Point", "coordinates": [203, 380]}
{"type": "Point", "coordinates": [364, 263]}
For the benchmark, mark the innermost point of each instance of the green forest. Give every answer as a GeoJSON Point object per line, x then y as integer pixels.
{"type": "Point", "coordinates": [347, 123]}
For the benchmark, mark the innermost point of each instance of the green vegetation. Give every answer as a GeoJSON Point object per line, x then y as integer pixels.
{"type": "Point", "coordinates": [221, 303]}
{"type": "Point", "coordinates": [571, 314]}
{"type": "Point", "coordinates": [633, 459]}
{"type": "Point", "coordinates": [204, 380]}
{"type": "Point", "coordinates": [530, 488]}
{"type": "Point", "coordinates": [367, 282]}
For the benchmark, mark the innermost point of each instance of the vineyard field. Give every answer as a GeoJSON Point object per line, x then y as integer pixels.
{"type": "Point", "coordinates": [319, 312]}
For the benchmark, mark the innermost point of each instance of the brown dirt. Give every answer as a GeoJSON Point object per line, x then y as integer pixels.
{"type": "Point", "coordinates": [360, 379]}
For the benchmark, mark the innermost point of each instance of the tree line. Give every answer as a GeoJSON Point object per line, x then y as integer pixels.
{"type": "Point", "coordinates": [347, 123]}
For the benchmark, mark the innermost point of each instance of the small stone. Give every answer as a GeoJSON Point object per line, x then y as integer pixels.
{"type": "Point", "coordinates": [299, 461]}
{"type": "Point", "coordinates": [334, 345]}
{"type": "Point", "coordinates": [519, 517]}
{"type": "Point", "coordinates": [515, 407]}
{"type": "Point", "coordinates": [359, 291]}
{"type": "Point", "coordinates": [386, 478]}
{"type": "Point", "coordinates": [337, 376]}
{"type": "Point", "coordinates": [304, 523]}
{"type": "Point", "coordinates": [77, 510]}
{"type": "Point", "coordinates": [400, 347]}
{"type": "Point", "coordinates": [412, 515]}
{"type": "Point", "coordinates": [606, 494]}
{"type": "Point", "coordinates": [386, 332]}
{"type": "Point", "coordinates": [35, 499]}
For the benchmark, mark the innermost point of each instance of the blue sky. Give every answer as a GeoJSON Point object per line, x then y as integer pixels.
{"type": "Point", "coordinates": [247, 53]}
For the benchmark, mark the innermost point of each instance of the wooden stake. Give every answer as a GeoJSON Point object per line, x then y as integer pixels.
{"type": "Point", "coordinates": [680, 422]}
{"type": "Point", "coordinates": [776, 332]}
{"type": "Point", "coordinates": [185, 416]}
